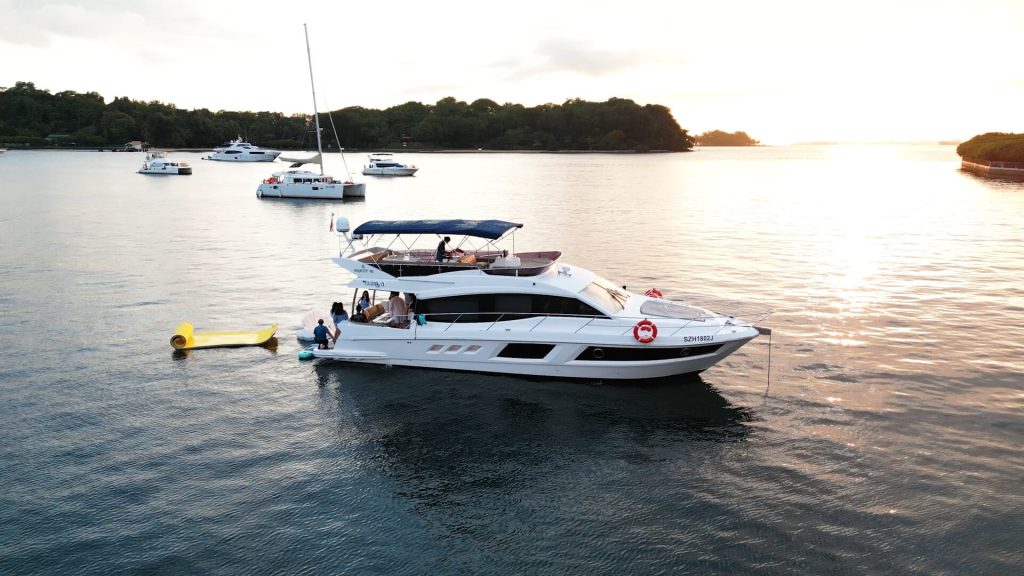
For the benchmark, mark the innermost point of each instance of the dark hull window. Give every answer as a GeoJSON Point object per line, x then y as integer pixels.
{"type": "Point", "coordinates": [494, 307]}
{"type": "Point", "coordinates": [610, 354]}
{"type": "Point", "coordinates": [530, 351]}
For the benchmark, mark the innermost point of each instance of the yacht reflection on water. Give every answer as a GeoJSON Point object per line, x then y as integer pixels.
{"type": "Point", "coordinates": [458, 442]}
{"type": "Point", "coordinates": [427, 403]}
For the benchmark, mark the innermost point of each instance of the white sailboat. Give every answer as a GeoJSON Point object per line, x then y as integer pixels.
{"type": "Point", "coordinates": [305, 183]}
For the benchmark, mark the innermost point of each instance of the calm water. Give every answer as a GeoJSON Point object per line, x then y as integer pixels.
{"type": "Point", "coordinates": [889, 442]}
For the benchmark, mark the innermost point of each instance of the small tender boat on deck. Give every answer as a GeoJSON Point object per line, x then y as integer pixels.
{"type": "Point", "coordinates": [471, 305]}
{"type": "Point", "coordinates": [384, 164]}
{"type": "Point", "coordinates": [158, 163]}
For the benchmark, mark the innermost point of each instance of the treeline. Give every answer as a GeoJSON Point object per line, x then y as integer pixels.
{"type": "Point", "coordinates": [33, 117]}
{"type": "Point", "coordinates": [719, 138]}
{"type": "Point", "coordinates": [994, 147]}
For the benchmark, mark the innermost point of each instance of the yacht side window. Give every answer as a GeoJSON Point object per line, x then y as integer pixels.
{"type": "Point", "coordinates": [503, 307]}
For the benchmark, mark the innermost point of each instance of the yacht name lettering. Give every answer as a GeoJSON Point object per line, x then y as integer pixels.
{"type": "Point", "coordinates": [698, 338]}
{"type": "Point", "coordinates": [373, 283]}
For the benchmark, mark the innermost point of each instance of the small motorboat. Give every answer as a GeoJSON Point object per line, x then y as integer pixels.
{"type": "Point", "coordinates": [158, 163]}
{"type": "Point", "coordinates": [384, 164]}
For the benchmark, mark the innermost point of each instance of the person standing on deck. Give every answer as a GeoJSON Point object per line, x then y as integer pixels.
{"type": "Point", "coordinates": [399, 312]}
{"type": "Point", "coordinates": [442, 247]}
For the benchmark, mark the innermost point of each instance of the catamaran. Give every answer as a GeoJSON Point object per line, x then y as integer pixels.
{"type": "Point", "coordinates": [305, 183]}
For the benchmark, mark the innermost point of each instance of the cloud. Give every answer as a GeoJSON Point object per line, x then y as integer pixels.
{"type": "Point", "coordinates": [130, 24]}
{"type": "Point", "coordinates": [556, 56]}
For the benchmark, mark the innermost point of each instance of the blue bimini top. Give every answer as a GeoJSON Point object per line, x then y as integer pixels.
{"type": "Point", "coordinates": [490, 229]}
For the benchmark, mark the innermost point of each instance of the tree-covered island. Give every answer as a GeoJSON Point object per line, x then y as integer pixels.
{"type": "Point", "coordinates": [994, 146]}
{"type": "Point", "coordinates": [31, 117]}
{"type": "Point", "coordinates": [993, 154]}
{"type": "Point", "coordinates": [719, 138]}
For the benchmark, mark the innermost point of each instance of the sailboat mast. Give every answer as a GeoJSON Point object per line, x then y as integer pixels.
{"type": "Point", "coordinates": [316, 114]}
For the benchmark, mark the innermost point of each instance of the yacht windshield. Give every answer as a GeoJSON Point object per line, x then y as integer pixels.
{"type": "Point", "coordinates": [606, 293]}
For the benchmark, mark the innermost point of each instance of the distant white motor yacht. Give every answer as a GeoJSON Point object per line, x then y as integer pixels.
{"type": "Point", "coordinates": [469, 306]}
{"type": "Point", "coordinates": [240, 151]}
{"type": "Point", "coordinates": [384, 164]}
{"type": "Point", "coordinates": [158, 163]}
{"type": "Point", "coordinates": [304, 183]}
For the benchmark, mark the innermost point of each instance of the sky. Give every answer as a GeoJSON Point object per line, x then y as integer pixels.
{"type": "Point", "coordinates": [783, 71]}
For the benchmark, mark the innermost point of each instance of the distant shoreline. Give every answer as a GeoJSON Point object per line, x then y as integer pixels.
{"type": "Point", "coordinates": [367, 151]}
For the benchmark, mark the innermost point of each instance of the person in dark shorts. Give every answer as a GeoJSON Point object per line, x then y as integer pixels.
{"type": "Point", "coordinates": [320, 335]}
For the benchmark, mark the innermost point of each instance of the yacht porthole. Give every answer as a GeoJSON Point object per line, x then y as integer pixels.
{"type": "Point", "coordinates": [598, 353]}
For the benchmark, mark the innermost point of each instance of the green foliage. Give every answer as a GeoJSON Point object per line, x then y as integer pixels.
{"type": "Point", "coordinates": [719, 138]}
{"type": "Point", "coordinates": [618, 124]}
{"type": "Point", "coordinates": [994, 146]}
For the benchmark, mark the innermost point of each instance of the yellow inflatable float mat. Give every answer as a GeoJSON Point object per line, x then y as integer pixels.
{"type": "Point", "coordinates": [186, 338]}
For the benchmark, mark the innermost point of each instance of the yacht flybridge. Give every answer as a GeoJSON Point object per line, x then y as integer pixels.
{"type": "Point", "coordinates": [471, 305]}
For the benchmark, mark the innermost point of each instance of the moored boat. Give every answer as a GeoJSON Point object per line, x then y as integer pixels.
{"type": "Point", "coordinates": [158, 163]}
{"type": "Point", "coordinates": [304, 183]}
{"type": "Point", "coordinates": [472, 305]}
{"type": "Point", "coordinates": [384, 164]}
{"type": "Point", "coordinates": [240, 151]}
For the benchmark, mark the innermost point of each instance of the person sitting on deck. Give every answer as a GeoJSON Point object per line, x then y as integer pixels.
{"type": "Point", "coordinates": [338, 313]}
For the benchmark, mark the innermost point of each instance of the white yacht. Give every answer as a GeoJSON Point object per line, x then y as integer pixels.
{"type": "Point", "coordinates": [304, 183]}
{"type": "Point", "coordinates": [240, 151]}
{"type": "Point", "coordinates": [384, 164]}
{"type": "Point", "coordinates": [479, 308]}
{"type": "Point", "coordinates": [158, 163]}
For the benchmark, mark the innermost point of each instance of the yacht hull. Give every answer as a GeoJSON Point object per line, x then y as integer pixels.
{"type": "Point", "coordinates": [268, 157]}
{"type": "Point", "coordinates": [311, 192]}
{"type": "Point", "coordinates": [389, 171]}
{"type": "Point", "coordinates": [616, 356]}
{"type": "Point", "coordinates": [167, 172]}
{"type": "Point", "coordinates": [355, 190]}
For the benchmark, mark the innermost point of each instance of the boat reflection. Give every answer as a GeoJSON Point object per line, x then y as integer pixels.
{"type": "Point", "coordinates": [446, 439]}
{"type": "Point", "coordinates": [434, 408]}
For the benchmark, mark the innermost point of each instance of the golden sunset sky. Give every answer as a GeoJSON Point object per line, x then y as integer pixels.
{"type": "Point", "coordinates": [784, 71]}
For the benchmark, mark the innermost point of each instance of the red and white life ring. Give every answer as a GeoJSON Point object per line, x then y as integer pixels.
{"type": "Point", "coordinates": [645, 331]}
{"type": "Point", "coordinates": [654, 293]}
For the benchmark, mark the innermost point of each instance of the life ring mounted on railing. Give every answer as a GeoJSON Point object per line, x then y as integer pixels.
{"type": "Point", "coordinates": [654, 293]}
{"type": "Point", "coordinates": [645, 331]}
